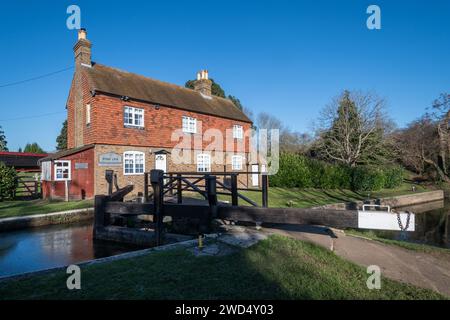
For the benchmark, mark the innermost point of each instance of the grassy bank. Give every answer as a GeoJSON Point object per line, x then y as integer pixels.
{"type": "Point", "coordinates": [276, 268]}
{"type": "Point", "coordinates": [28, 207]}
{"type": "Point", "coordinates": [304, 198]}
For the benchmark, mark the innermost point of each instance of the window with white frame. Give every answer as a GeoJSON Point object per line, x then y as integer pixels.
{"type": "Point", "coordinates": [236, 162]}
{"type": "Point", "coordinates": [133, 162]}
{"type": "Point", "coordinates": [62, 170]}
{"type": "Point", "coordinates": [238, 132]}
{"type": "Point", "coordinates": [88, 114]}
{"type": "Point", "coordinates": [189, 124]}
{"type": "Point", "coordinates": [133, 117]}
{"type": "Point", "coordinates": [203, 162]}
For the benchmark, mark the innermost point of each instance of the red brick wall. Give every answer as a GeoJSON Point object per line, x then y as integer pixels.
{"type": "Point", "coordinates": [77, 129]}
{"type": "Point", "coordinates": [71, 118]}
{"type": "Point", "coordinates": [107, 125]}
{"type": "Point", "coordinates": [82, 180]}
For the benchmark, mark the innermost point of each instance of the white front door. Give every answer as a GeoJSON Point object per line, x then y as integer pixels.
{"type": "Point", "coordinates": [160, 162]}
{"type": "Point", "coordinates": [255, 176]}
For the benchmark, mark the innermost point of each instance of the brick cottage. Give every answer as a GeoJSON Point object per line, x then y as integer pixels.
{"type": "Point", "coordinates": [125, 122]}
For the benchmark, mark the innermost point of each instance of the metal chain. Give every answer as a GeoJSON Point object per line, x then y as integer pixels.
{"type": "Point", "coordinates": [407, 221]}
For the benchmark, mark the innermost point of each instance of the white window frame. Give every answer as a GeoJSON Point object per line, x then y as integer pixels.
{"type": "Point", "coordinates": [236, 162]}
{"type": "Point", "coordinates": [189, 124]}
{"type": "Point", "coordinates": [133, 154]}
{"type": "Point", "coordinates": [238, 131]}
{"type": "Point", "coordinates": [69, 170]}
{"type": "Point", "coordinates": [202, 165]}
{"type": "Point", "coordinates": [88, 114]}
{"type": "Point", "coordinates": [133, 114]}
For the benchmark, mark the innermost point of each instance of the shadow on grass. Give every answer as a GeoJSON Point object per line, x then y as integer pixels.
{"type": "Point", "coordinates": [276, 268]}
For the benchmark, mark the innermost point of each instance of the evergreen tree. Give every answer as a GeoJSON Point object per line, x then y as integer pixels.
{"type": "Point", "coordinates": [356, 130]}
{"type": "Point", "coordinates": [3, 141]}
{"type": "Point", "coordinates": [33, 148]}
{"type": "Point", "coordinates": [61, 140]}
{"type": "Point", "coordinates": [236, 101]}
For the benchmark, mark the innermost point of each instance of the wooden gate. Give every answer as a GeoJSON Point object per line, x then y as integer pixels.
{"type": "Point", "coordinates": [28, 187]}
{"type": "Point", "coordinates": [208, 187]}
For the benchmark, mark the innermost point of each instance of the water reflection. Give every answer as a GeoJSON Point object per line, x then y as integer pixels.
{"type": "Point", "coordinates": [53, 246]}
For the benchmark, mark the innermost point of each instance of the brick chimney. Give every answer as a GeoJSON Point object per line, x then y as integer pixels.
{"type": "Point", "coordinates": [76, 123]}
{"type": "Point", "coordinates": [203, 84]}
{"type": "Point", "coordinates": [82, 49]}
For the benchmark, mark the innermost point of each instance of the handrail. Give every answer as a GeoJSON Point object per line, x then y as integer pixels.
{"type": "Point", "coordinates": [215, 173]}
{"type": "Point", "coordinates": [376, 206]}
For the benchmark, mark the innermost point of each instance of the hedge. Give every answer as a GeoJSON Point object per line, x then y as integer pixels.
{"type": "Point", "coordinates": [302, 172]}
{"type": "Point", "coordinates": [8, 181]}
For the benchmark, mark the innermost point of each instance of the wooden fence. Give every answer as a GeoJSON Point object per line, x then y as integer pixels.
{"type": "Point", "coordinates": [175, 184]}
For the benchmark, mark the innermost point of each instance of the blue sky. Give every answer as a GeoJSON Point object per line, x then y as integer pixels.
{"type": "Point", "coordinates": [285, 58]}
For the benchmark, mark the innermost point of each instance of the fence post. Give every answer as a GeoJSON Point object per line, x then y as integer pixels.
{"type": "Point", "coordinates": [146, 187]}
{"type": "Point", "coordinates": [179, 189]}
{"type": "Point", "coordinates": [234, 191]}
{"type": "Point", "coordinates": [109, 176]}
{"type": "Point", "coordinates": [265, 189]}
{"type": "Point", "coordinates": [170, 184]}
{"type": "Point", "coordinates": [211, 192]}
{"type": "Point", "coordinates": [101, 218]}
{"type": "Point", "coordinates": [157, 180]}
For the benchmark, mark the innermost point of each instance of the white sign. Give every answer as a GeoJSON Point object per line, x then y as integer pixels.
{"type": "Point", "coordinates": [110, 159]}
{"type": "Point", "coordinates": [382, 220]}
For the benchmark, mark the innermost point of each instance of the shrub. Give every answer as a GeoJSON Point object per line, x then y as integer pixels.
{"type": "Point", "coordinates": [293, 172]}
{"type": "Point", "coordinates": [367, 178]}
{"type": "Point", "coordinates": [302, 172]}
{"type": "Point", "coordinates": [8, 181]}
{"type": "Point", "coordinates": [329, 176]}
{"type": "Point", "coordinates": [393, 176]}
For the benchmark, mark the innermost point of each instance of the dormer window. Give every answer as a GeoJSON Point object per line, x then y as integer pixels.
{"type": "Point", "coordinates": [189, 125]}
{"type": "Point", "coordinates": [133, 117]}
{"type": "Point", "coordinates": [238, 131]}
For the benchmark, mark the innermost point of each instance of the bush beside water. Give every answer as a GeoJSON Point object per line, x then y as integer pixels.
{"type": "Point", "coordinates": [302, 172]}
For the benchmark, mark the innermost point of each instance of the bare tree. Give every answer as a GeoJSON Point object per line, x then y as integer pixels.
{"type": "Point", "coordinates": [418, 146]}
{"type": "Point", "coordinates": [290, 141]}
{"type": "Point", "coordinates": [440, 113]}
{"type": "Point", "coordinates": [352, 129]}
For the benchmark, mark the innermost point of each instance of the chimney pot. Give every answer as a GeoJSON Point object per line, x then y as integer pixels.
{"type": "Point", "coordinates": [82, 34]}
{"type": "Point", "coordinates": [203, 84]}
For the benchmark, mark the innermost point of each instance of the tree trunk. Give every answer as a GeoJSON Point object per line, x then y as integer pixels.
{"type": "Point", "coordinates": [443, 143]}
{"type": "Point", "coordinates": [438, 170]}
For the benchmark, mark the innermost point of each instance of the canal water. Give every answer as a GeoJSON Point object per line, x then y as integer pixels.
{"type": "Point", "coordinates": [52, 246]}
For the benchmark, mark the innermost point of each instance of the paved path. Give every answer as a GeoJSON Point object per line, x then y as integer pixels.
{"type": "Point", "coordinates": [427, 270]}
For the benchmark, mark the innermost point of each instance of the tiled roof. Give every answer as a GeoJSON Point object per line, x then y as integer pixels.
{"type": "Point", "coordinates": [113, 81]}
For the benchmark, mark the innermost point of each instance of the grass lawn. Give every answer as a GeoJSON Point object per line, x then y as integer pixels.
{"type": "Point", "coordinates": [28, 207]}
{"type": "Point", "coordinates": [276, 268]}
{"type": "Point", "coordinates": [303, 198]}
